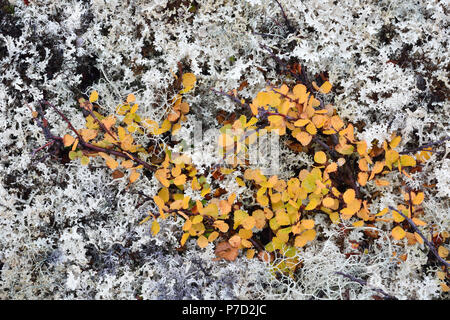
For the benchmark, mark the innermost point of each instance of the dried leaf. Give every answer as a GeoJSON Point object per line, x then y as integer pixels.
{"type": "Point", "coordinates": [225, 251]}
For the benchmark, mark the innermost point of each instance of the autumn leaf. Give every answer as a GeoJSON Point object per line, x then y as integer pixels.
{"type": "Point", "coordinates": [68, 140]}
{"type": "Point", "coordinates": [202, 241]}
{"type": "Point", "coordinates": [398, 233]}
{"type": "Point", "coordinates": [304, 138]}
{"type": "Point", "coordinates": [235, 241]}
{"type": "Point", "coordinates": [226, 251]}
{"type": "Point", "coordinates": [325, 87]}
{"type": "Point", "coordinates": [131, 98]}
{"type": "Point", "coordinates": [180, 180]}
{"type": "Point", "coordinates": [155, 227]}
{"type": "Point", "coordinates": [320, 157]}
{"type": "Point", "coordinates": [93, 97]}
{"type": "Point", "coordinates": [134, 176]}
{"type": "Point", "coordinates": [443, 252]}
{"type": "Point", "coordinates": [84, 160]}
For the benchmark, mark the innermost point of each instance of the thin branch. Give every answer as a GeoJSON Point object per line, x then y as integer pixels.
{"type": "Point", "coordinates": [288, 23]}
{"type": "Point", "coordinates": [82, 143]}
{"type": "Point", "coordinates": [425, 240]}
{"type": "Point", "coordinates": [364, 283]}
{"type": "Point", "coordinates": [420, 148]}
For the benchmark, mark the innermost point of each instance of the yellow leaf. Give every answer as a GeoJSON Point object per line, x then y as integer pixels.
{"type": "Point", "coordinates": [337, 122]}
{"type": "Point", "coordinates": [308, 223]}
{"type": "Point", "coordinates": [187, 225]}
{"type": "Point", "coordinates": [310, 235]}
{"type": "Point", "coordinates": [325, 87]}
{"type": "Point", "coordinates": [254, 108]}
{"type": "Point", "coordinates": [418, 238]}
{"type": "Point", "coordinates": [300, 241]}
{"type": "Point", "coordinates": [134, 176]}
{"type": "Point", "coordinates": [111, 163]}
{"type": "Point", "coordinates": [134, 108]}
{"type": "Point", "coordinates": [313, 202]}
{"type": "Point", "coordinates": [332, 167]}
{"type": "Point", "coordinates": [202, 241]}
{"type": "Point", "coordinates": [379, 165]}
{"type": "Point", "coordinates": [301, 122]}
{"type": "Point", "coordinates": [188, 80]}
{"type": "Point", "coordinates": [328, 202]}
{"type": "Point", "coordinates": [250, 253]}
{"type": "Point", "coordinates": [221, 225]}
{"type": "Point", "coordinates": [245, 233]}
{"type": "Point", "coordinates": [304, 138]}
{"type": "Point", "coordinates": [382, 212]}
{"type": "Point", "coordinates": [263, 200]}
{"type": "Point", "coordinates": [358, 224]}
{"type": "Point", "coordinates": [197, 219]}
{"type": "Point", "coordinates": [419, 222]}
{"type": "Point", "coordinates": [180, 180]}
{"type": "Point", "coordinates": [88, 134]}
{"type": "Point", "coordinates": [362, 164]}
{"type": "Point", "coordinates": [391, 157]}
{"type": "Point", "coordinates": [260, 219]}
{"type": "Point", "coordinates": [407, 161]}
{"type": "Point", "coordinates": [155, 227]}
{"type": "Point", "coordinates": [184, 238]}
{"type": "Point", "coordinates": [361, 147]}
{"type": "Point", "coordinates": [150, 125]}
{"type": "Point", "coordinates": [320, 157]}
{"type": "Point", "coordinates": [443, 252]}
{"type": "Point", "coordinates": [334, 216]}
{"type": "Point", "coordinates": [394, 143]}
{"type": "Point", "coordinates": [126, 164]}
{"type": "Point", "coordinates": [205, 191]}
{"type": "Point", "coordinates": [311, 128]}
{"type": "Point", "coordinates": [213, 236]}
{"type": "Point", "coordinates": [248, 223]}
{"type": "Point", "coordinates": [93, 97]}
{"type": "Point", "coordinates": [349, 196]}
{"type": "Point", "coordinates": [418, 198]}
{"type": "Point", "coordinates": [300, 93]}
{"type": "Point", "coordinates": [398, 233]}
{"type": "Point", "coordinates": [282, 218]}
{"type": "Point", "coordinates": [161, 176]}
{"type": "Point", "coordinates": [362, 178]}
{"type": "Point", "coordinates": [84, 160]}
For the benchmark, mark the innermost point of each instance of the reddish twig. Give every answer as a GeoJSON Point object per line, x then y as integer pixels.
{"type": "Point", "coordinates": [82, 143]}
{"type": "Point", "coordinates": [286, 20]}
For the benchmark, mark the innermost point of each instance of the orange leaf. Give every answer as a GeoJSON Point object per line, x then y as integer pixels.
{"type": "Point", "coordinates": [398, 233]}
{"type": "Point", "coordinates": [131, 98]}
{"type": "Point", "coordinates": [443, 252]}
{"type": "Point", "coordinates": [235, 241]}
{"type": "Point", "coordinates": [202, 241]}
{"type": "Point", "coordinates": [304, 138]}
{"type": "Point", "coordinates": [349, 196]}
{"type": "Point", "coordinates": [68, 140]}
{"type": "Point", "coordinates": [134, 176]}
{"type": "Point", "coordinates": [325, 87]}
